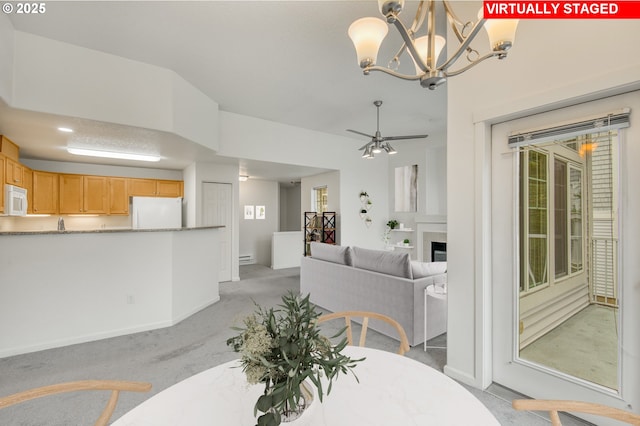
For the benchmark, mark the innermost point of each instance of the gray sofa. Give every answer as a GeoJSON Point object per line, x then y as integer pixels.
{"type": "Point", "coordinates": [352, 278]}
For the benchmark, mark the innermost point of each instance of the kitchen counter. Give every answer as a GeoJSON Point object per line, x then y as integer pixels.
{"type": "Point", "coordinates": [66, 287]}
{"type": "Point", "coordinates": [101, 231]}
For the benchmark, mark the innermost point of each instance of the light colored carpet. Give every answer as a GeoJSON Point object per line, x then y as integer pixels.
{"type": "Point", "coordinates": [166, 356]}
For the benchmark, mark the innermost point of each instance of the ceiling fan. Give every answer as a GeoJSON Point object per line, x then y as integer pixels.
{"type": "Point", "coordinates": [378, 142]}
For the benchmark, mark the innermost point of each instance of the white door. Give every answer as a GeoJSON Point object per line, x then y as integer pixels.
{"type": "Point", "coordinates": [515, 243]}
{"type": "Point", "coordinates": [217, 204]}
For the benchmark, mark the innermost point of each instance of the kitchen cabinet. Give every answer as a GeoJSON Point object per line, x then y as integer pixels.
{"type": "Point", "coordinates": [14, 173]}
{"type": "Point", "coordinates": [28, 185]}
{"type": "Point", "coordinates": [118, 195]}
{"type": "Point", "coordinates": [2, 161]}
{"type": "Point", "coordinates": [45, 192]}
{"type": "Point", "coordinates": [83, 194]}
{"type": "Point", "coordinates": [155, 188]}
{"type": "Point", "coordinates": [9, 149]}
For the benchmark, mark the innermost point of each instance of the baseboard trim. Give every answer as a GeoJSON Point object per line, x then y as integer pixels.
{"type": "Point", "coordinates": [461, 376]}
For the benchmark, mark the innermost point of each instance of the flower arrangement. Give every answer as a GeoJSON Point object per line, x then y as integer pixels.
{"type": "Point", "coordinates": [282, 348]}
{"type": "Point", "coordinates": [392, 223]}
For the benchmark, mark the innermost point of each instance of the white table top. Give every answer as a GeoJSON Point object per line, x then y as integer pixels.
{"type": "Point", "coordinates": [393, 390]}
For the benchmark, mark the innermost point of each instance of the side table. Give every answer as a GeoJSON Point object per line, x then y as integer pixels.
{"type": "Point", "coordinates": [435, 292]}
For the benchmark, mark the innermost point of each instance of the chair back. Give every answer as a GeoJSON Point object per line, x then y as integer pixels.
{"type": "Point", "coordinates": [365, 315]}
{"type": "Point", "coordinates": [553, 406]}
{"type": "Point", "coordinates": [115, 386]}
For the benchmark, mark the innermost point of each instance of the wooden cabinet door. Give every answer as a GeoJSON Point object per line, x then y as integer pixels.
{"type": "Point", "coordinates": [14, 173]}
{"type": "Point", "coordinates": [169, 188]}
{"type": "Point", "coordinates": [118, 196]}
{"type": "Point", "coordinates": [2, 162]}
{"type": "Point", "coordinates": [28, 184]}
{"type": "Point", "coordinates": [71, 199]}
{"type": "Point", "coordinates": [95, 195]}
{"type": "Point", "coordinates": [142, 187]}
{"type": "Point", "coordinates": [45, 193]}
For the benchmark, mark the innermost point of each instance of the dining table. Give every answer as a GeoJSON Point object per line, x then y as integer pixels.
{"type": "Point", "coordinates": [387, 389]}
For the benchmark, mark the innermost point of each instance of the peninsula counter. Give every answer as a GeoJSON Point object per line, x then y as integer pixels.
{"type": "Point", "coordinates": [64, 287]}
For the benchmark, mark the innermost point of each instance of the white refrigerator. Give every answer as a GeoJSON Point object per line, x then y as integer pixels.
{"type": "Point", "coordinates": [156, 213]}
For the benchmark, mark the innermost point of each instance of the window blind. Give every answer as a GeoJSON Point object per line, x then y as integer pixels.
{"type": "Point", "coordinates": [601, 123]}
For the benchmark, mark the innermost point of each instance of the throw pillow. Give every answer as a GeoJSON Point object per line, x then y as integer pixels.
{"type": "Point", "coordinates": [426, 269]}
{"type": "Point", "coordinates": [386, 262]}
{"type": "Point", "coordinates": [331, 253]}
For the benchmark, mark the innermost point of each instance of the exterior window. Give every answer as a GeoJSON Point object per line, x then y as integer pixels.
{"type": "Point", "coordinates": [535, 230]}
{"type": "Point", "coordinates": [320, 199]}
{"type": "Point", "coordinates": [575, 182]}
{"type": "Point", "coordinates": [551, 203]}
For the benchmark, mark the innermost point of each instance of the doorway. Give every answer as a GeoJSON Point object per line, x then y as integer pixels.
{"type": "Point", "coordinates": [558, 241]}
{"type": "Point", "coordinates": [217, 209]}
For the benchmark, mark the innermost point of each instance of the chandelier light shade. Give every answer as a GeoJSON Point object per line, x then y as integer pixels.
{"type": "Point", "coordinates": [367, 36]}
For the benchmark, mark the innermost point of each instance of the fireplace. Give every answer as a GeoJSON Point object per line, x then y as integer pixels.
{"type": "Point", "coordinates": [438, 251]}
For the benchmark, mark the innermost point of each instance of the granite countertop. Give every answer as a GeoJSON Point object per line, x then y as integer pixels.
{"type": "Point", "coordinates": [103, 231]}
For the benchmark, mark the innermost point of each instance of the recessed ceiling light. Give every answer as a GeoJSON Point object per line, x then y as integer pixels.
{"type": "Point", "coordinates": [65, 129]}
{"type": "Point", "coordinates": [111, 154]}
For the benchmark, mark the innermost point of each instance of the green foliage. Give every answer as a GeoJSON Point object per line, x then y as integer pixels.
{"type": "Point", "coordinates": [281, 348]}
{"type": "Point", "coordinates": [392, 224]}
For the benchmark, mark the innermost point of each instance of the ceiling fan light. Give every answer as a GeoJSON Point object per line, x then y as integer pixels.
{"type": "Point", "coordinates": [367, 35]}
{"type": "Point", "coordinates": [422, 46]}
{"type": "Point", "coordinates": [390, 149]}
{"type": "Point", "coordinates": [376, 149]}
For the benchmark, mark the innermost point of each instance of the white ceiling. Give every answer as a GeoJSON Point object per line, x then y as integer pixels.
{"type": "Point", "coordinates": [285, 61]}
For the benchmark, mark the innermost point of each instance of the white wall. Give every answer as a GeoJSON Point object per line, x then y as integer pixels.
{"type": "Point", "coordinates": [60, 78]}
{"type": "Point", "coordinates": [332, 181]}
{"type": "Point", "coordinates": [290, 204]}
{"type": "Point", "coordinates": [539, 74]}
{"type": "Point", "coordinates": [6, 58]}
{"type": "Point", "coordinates": [61, 289]}
{"type": "Point", "coordinates": [431, 156]}
{"type": "Point", "coordinates": [255, 235]}
{"type": "Point", "coordinates": [253, 138]}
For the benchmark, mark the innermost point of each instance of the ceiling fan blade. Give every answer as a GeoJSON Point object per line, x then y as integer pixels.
{"type": "Point", "coordinates": [364, 146]}
{"type": "Point", "coordinates": [397, 138]}
{"type": "Point", "coordinates": [360, 133]}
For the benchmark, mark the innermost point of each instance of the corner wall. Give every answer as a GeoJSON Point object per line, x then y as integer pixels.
{"type": "Point", "coordinates": [509, 88]}
{"type": "Point", "coordinates": [255, 234]}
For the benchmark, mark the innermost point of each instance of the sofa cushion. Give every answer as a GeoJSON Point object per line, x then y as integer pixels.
{"type": "Point", "coordinates": [426, 269]}
{"type": "Point", "coordinates": [331, 253]}
{"type": "Point", "coordinates": [385, 262]}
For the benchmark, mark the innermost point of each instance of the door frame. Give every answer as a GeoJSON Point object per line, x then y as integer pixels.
{"type": "Point", "coordinates": [487, 276]}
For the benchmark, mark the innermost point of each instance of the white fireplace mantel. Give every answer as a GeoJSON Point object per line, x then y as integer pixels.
{"type": "Point", "coordinates": [428, 223]}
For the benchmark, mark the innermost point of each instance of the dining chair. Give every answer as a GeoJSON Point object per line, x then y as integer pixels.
{"type": "Point", "coordinates": [553, 406]}
{"type": "Point", "coordinates": [365, 315]}
{"type": "Point", "coordinates": [115, 386]}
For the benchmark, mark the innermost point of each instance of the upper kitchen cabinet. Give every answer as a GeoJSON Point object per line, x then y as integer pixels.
{"type": "Point", "coordinates": [27, 174]}
{"type": "Point", "coordinates": [45, 193]}
{"type": "Point", "coordinates": [155, 188]}
{"type": "Point", "coordinates": [83, 194]}
{"type": "Point", "coordinates": [9, 149]}
{"type": "Point", "coordinates": [2, 161]}
{"type": "Point", "coordinates": [14, 173]}
{"type": "Point", "coordinates": [118, 195]}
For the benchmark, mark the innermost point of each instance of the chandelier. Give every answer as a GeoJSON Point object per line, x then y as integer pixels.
{"type": "Point", "coordinates": [367, 35]}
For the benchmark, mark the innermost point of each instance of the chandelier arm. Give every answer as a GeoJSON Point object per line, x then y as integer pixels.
{"type": "Point", "coordinates": [390, 72]}
{"type": "Point", "coordinates": [451, 15]}
{"type": "Point", "coordinates": [464, 45]}
{"type": "Point", "coordinates": [419, 19]}
{"type": "Point", "coordinates": [474, 63]}
{"type": "Point", "coordinates": [408, 41]}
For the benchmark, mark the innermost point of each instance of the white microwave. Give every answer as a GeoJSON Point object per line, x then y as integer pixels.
{"type": "Point", "coordinates": [15, 201]}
